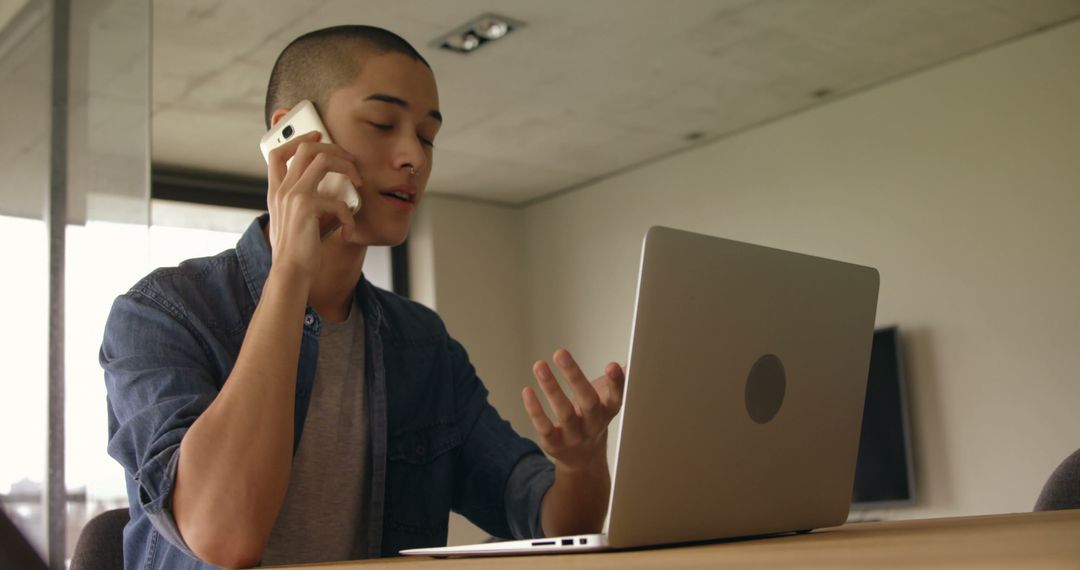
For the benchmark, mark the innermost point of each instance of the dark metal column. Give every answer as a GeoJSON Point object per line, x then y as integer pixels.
{"type": "Point", "coordinates": [399, 269]}
{"type": "Point", "coordinates": [56, 221]}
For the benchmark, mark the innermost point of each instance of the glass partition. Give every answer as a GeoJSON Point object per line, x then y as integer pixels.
{"type": "Point", "coordinates": [108, 231]}
{"type": "Point", "coordinates": [25, 67]}
{"type": "Point", "coordinates": [91, 159]}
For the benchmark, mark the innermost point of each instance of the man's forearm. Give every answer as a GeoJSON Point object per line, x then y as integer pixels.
{"type": "Point", "coordinates": [235, 459]}
{"type": "Point", "coordinates": [577, 502]}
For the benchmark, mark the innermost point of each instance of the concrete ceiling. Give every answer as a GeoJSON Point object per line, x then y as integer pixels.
{"type": "Point", "coordinates": [586, 89]}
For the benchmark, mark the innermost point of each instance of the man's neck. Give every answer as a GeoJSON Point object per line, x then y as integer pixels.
{"type": "Point", "coordinates": [339, 271]}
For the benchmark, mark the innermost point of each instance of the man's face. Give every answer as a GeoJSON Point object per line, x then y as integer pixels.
{"type": "Point", "coordinates": [387, 119]}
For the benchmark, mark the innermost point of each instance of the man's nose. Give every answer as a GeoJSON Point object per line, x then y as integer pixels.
{"type": "Point", "coordinates": [410, 152]}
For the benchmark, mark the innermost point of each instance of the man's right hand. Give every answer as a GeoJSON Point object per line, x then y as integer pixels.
{"type": "Point", "coordinates": [299, 216]}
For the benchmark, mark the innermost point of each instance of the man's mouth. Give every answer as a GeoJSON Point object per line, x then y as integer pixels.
{"type": "Point", "coordinates": [401, 196]}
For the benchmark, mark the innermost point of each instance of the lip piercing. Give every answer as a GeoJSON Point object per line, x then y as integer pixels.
{"type": "Point", "coordinates": [413, 171]}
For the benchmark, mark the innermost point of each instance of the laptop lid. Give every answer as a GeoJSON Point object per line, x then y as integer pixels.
{"type": "Point", "coordinates": [744, 393]}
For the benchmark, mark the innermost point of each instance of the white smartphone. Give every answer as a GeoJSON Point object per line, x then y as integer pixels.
{"type": "Point", "coordinates": [301, 119]}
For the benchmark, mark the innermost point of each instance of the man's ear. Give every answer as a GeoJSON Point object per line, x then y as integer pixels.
{"type": "Point", "coordinates": [276, 116]}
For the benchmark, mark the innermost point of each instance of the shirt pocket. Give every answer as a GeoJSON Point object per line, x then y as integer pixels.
{"type": "Point", "coordinates": [420, 480]}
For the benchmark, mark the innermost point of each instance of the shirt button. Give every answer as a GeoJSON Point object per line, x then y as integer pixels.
{"type": "Point", "coordinates": [309, 320]}
{"type": "Point", "coordinates": [420, 449]}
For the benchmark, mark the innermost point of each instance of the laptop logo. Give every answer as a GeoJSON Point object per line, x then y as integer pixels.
{"type": "Point", "coordinates": [765, 388]}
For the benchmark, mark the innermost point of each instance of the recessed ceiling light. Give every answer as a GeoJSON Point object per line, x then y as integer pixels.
{"type": "Point", "coordinates": [462, 42]}
{"type": "Point", "coordinates": [478, 32]}
{"type": "Point", "coordinates": [491, 28]}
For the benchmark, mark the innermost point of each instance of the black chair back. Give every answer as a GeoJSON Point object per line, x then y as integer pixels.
{"type": "Point", "coordinates": [1062, 490]}
{"type": "Point", "coordinates": [101, 543]}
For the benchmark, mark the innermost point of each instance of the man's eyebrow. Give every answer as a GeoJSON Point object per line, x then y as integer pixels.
{"type": "Point", "coordinates": [435, 114]}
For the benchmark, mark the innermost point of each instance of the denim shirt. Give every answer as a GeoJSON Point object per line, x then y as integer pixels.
{"type": "Point", "coordinates": [437, 444]}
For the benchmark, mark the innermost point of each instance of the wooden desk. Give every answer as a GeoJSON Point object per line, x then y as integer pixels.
{"type": "Point", "coordinates": [1025, 540]}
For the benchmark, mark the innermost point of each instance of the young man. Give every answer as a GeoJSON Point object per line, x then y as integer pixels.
{"type": "Point", "coordinates": [270, 405]}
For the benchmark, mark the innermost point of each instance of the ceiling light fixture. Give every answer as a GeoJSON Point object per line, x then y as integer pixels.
{"type": "Point", "coordinates": [462, 42]}
{"type": "Point", "coordinates": [479, 31]}
{"type": "Point", "coordinates": [491, 28]}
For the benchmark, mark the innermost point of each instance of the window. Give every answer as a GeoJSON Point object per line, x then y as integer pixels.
{"type": "Point", "coordinates": [24, 373]}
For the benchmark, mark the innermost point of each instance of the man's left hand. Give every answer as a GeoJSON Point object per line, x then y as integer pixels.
{"type": "Point", "coordinates": [578, 441]}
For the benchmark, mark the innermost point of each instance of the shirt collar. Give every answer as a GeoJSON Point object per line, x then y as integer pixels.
{"type": "Point", "coordinates": [253, 252]}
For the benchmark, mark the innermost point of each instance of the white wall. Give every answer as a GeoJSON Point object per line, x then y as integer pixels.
{"type": "Point", "coordinates": [961, 184]}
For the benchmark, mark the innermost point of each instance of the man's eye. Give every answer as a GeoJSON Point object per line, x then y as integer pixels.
{"type": "Point", "coordinates": [382, 127]}
{"type": "Point", "coordinates": [426, 142]}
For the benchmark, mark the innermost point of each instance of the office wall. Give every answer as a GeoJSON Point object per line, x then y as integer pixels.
{"type": "Point", "coordinates": [961, 184]}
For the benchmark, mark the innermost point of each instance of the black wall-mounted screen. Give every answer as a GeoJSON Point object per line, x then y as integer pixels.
{"type": "Point", "coordinates": [883, 473]}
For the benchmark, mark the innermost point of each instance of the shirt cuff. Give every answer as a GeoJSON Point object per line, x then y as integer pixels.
{"type": "Point", "coordinates": [529, 481]}
{"type": "Point", "coordinates": [157, 503]}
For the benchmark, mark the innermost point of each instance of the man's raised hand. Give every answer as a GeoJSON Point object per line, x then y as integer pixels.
{"type": "Point", "coordinates": [577, 439]}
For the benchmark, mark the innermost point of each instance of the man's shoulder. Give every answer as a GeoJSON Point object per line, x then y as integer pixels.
{"type": "Point", "coordinates": [202, 286]}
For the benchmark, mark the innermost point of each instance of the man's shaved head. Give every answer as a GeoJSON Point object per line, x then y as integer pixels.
{"type": "Point", "coordinates": [317, 63]}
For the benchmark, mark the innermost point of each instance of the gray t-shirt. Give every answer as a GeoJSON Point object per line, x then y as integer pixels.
{"type": "Point", "coordinates": [326, 504]}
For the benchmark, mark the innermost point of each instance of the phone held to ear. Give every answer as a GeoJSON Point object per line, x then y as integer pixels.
{"type": "Point", "coordinates": [302, 119]}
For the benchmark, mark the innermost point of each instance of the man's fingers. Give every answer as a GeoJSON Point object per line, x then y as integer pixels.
{"type": "Point", "coordinates": [539, 418]}
{"type": "Point", "coordinates": [304, 147]}
{"type": "Point", "coordinates": [278, 158]}
{"type": "Point", "coordinates": [614, 384]}
{"type": "Point", "coordinates": [319, 166]}
{"type": "Point", "coordinates": [303, 154]}
{"type": "Point", "coordinates": [587, 399]}
{"type": "Point", "coordinates": [560, 404]}
{"type": "Point", "coordinates": [340, 211]}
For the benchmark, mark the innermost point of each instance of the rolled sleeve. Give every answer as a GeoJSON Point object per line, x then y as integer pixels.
{"type": "Point", "coordinates": [158, 382]}
{"type": "Point", "coordinates": [530, 480]}
{"type": "Point", "coordinates": [159, 509]}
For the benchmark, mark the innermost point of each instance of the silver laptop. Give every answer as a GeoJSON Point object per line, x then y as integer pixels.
{"type": "Point", "coordinates": [744, 397]}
